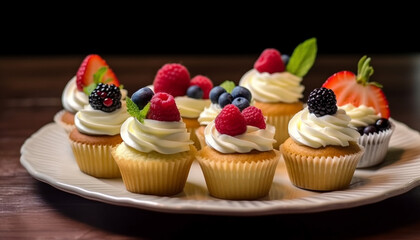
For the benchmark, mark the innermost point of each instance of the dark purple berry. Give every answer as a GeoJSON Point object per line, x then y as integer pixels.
{"type": "Point", "coordinates": [240, 91]}
{"type": "Point", "coordinates": [195, 91]}
{"type": "Point", "coordinates": [285, 59]}
{"type": "Point", "coordinates": [241, 103]}
{"type": "Point", "coordinates": [370, 129]}
{"type": "Point", "coordinates": [225, 99]}
{"type": "Point", "coordinates": [215, 93]}
{"type": "Point", "coordinates": [142, 96]}
{"type": "Point", "coordinates": [322, 102]}
{"type": "Point", "coordinates": [106, 98]}
{"type": "Point", "coordinates": [382, 124]}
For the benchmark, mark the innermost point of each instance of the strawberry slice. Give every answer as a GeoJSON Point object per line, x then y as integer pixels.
{"type": "Point", "coordinates": [357, 90]}
{"type": "Point", "coordinates": [90, 65]}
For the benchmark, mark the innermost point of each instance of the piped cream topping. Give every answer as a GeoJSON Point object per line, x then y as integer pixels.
{"type": "Point", "coordinates": [361, 116]}
{"type": "Point", "coordinates": [152, 135]}
{"type": "Point", "coordinates": [308, 129]}
{"type": "Point", "coordinates": [191, 107]}
{"type": "Point", "coordinates": [72, 99]}
{"type": "Point", "coordinates": [209, 114]}
{"type": "Point", "coordinates": [253, 138]}
{"type": "Point", "coordinates": [277, 87]}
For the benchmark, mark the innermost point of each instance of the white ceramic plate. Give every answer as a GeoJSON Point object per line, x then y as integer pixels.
{"type": "Point", "coordinates": [48, 157]}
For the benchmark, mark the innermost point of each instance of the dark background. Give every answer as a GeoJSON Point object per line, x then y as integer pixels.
{"type": "Point", "coordinates": [135, 30]}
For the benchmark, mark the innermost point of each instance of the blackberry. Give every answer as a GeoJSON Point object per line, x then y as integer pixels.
{"type": "Point", "coordinates": [322, 102]}
{"type": "Point", "coordinates": [106, 98]}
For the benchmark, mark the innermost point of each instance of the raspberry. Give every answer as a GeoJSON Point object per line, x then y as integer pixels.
{"type": "Point", "coordinates": [322, 101]}
{"type": "Point", "coordinates": [254, 117]}
{"type": "Point", "coordinates": [230, 121]}
{"type": "Point", "coordinates": [269, 61]}
{"type": "Point", "coordinates": [106, 98]}
{"type": "Point", "coordinates": [204, 83]}
{"type": "Point", "coordinates": [163, 108]}
{"type": "Point", "coordinates": [172, 78]}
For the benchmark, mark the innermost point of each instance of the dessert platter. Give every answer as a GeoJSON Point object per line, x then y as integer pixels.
{"type": "Point", "coordinates": [48, 157]}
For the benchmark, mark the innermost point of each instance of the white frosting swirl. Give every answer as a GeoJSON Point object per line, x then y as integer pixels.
{"type": "Point", "coordinates": [361, 116]}
{"type": "Point", "coordinates": [72, 99]}
{"type": "Point", "coordinates": [308, 129]}
{"type": "Point", "coordinates": [253, 138]}
{"type": "Point", "coordinates": [97, 122]}
{"type": "Point", "coordinates": [191, 107]}
{"type": "Point", "coordinates": [277, 87]}
{"type": "Point", "coordinates": [209, 114]}
{"type": "Point", "coordinates": [152, 135]}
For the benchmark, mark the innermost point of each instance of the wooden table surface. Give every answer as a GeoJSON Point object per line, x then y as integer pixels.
{"type": "Point", "coordinates": [30, 94]}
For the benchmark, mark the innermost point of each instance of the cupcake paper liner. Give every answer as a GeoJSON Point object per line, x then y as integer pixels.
{"type": "Point", "coordinates": [321, 173]}
{"type": "Point", "coordinates": [200, 137]}
{"type": "Point", "coordinates": [281, 123]}
{"type": "Point", "coordinates": [57, 119]}
{"type": "Point", "coordinates": [239, 180]}
{"type": "Point", "coordinates": [376, 147]}
{"type": "Point", "coordinates": [194, 137]}
{"type": "Point", "coordinates": [163, 177]}
{"type": "Point", "coordinates": [95, 160]}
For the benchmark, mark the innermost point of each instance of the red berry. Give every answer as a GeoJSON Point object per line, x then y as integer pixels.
{"type": "Point", "coordinates": [254, 117]}
{"type": "Point", "coordinates": [90, 66]}
{"type": "Point", "coordinates": [172, 78]}
{"type": "Point", "coordinates": [163, 108]}
{"type": "Point", "coordinates": [230, 121]}
{"type": "Point", "coordinates": [204, 83]}
{"type": "Point", "coordinates": [108, 102]}
{"type": "Point", "coordinates": [269, 61]}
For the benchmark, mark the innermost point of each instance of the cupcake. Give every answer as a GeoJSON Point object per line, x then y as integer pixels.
{"type": "Point", "coordinates": [156, 154]}
{"type": "Point", "coordinates": [220, 96]}
{"type": "Point", "coordinates": [322, 151]}
{"type": "Point", "coordinates": [366, 104]}
{"type": "Point", "coordinates": [75, 94]}
{"type": "Point", "coordinates": [98, 130]}
{"type": "Point", "coordinates": [191, 95]}
{"type": "Point", "coordinates": [239, 161]}
{"type": "Point", "coordinates": [276, 84]}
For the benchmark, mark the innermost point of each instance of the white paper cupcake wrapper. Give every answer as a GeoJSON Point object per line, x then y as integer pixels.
{"type": "Point", "coordinates": [321, 173]}
{"type": "Point", "coordinates": [57, 119]}
{"type": "Point", "coordinates": [376, 147]}
{"type": "Point", "coordinates": [281, 123]}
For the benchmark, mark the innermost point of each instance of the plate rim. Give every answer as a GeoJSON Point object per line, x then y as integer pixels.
{"type": "Point", "coordinates": [199, 206]}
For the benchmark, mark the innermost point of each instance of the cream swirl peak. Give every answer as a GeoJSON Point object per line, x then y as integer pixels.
{"type": "Point", "coordinates": [97, 122]}
{"type": "Point", "coordinates": [209, 114]}
{"type": "Point", "coordinates": [253, 139]}
{"type": "Point", "coordinates": [273, 87]}
{"type": "Point", "coordinates": [308, 129]}
{"type": "Point", "coordinates": [152, 135]}
{"type": "Point", "coordinates": [361, 116]}
{"type": "Point", "coordinates": [72, 99]}
{"type": "Point", "coordinates": [191, 107]}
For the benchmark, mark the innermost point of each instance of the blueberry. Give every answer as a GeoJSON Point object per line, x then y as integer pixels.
{"type": "Point", "coordinates": [225, 99]}
{"type": "Point", "coordinates": [369, 129]}
{"type": "Point", "coordinates": [382, 124]}
{"type": "Point", "coordinates": [285, 58]}
{"type": "Point", "coordinates": [215, 93]}
{"type": "Point", "coordinates": [142, 96]}
{"type": "Point", "coordinates": [195, 91]}
{"type": "Point", "coordinates": [240, 91]}
{"type": "Point", "coordinates": [241, 103]}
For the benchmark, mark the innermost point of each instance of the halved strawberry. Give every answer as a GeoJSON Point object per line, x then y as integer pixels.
{"type": "Point", "coordinates": [357, 90]}
{"type": "Point", "coordinates": [90, 65]}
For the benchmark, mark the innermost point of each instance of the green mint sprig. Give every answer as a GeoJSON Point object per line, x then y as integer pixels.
{"type": "Point", "coordinates": [228, 86]}
{"type": "Point", "coordinates": [97, 78]}
{"type": "Point", "coordinates": [303, 58]}
{"type": "Point", "coordinates": [134, 110]}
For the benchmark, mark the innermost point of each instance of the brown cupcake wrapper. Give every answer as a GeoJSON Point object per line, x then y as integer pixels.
{"type": "Point", "coordinates": [281, 123]}
{"type": "Point", "coordinates": [321, 173]}
{"type": "Point", "coordinates": [95, 160]}
{"type": "Point", "coordinates": [200, 137]}
{"type": "Point", "coordinates": [239, 180]}
{"type": "Point", "coordinates": [57, 119]}
{"type": "Point", "coordinates": [376, 147]}
{"type": "Point", "coordinates": [156, 177]}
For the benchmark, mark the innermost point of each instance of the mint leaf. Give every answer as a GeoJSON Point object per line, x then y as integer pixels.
{"type": "Point", "coordinates": [228, 86]}
{"type": "Point", "coordinates": [99, 75]}
{"type": "Point", "coordinates": [89, 89]}
{"type": "Point", "coordinates": [134, 110]}
{"type": "Point", "coordinates": [303, 57]}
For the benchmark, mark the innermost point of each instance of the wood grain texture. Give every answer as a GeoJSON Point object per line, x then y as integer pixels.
{"type": "Point", "coordinates": [30, 96]}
